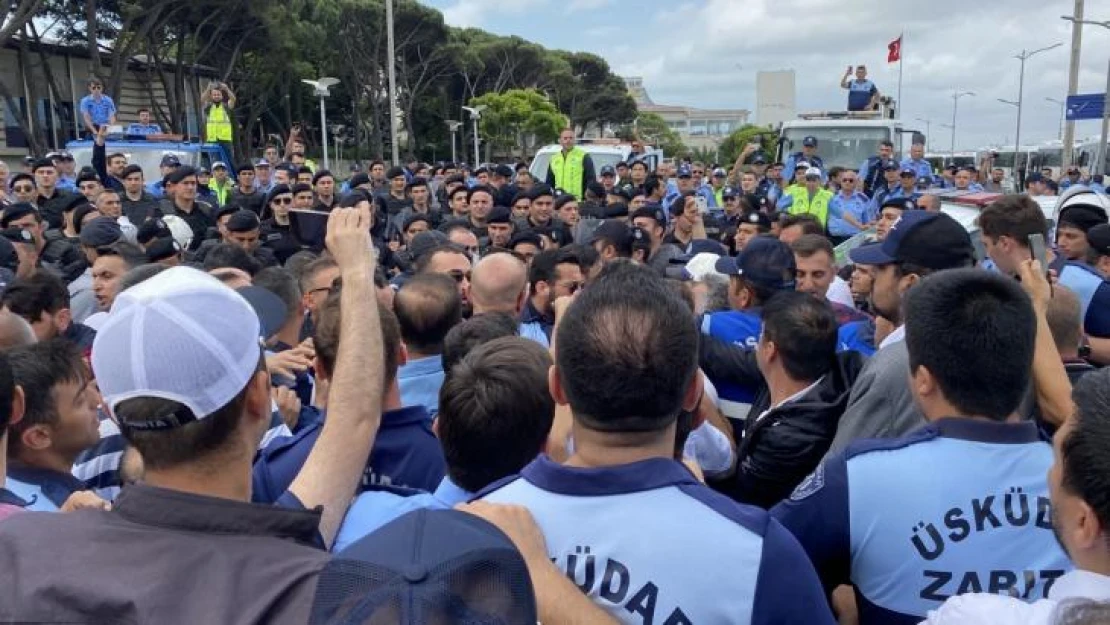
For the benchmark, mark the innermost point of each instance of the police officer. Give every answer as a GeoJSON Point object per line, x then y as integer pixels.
{"type": "Point", "coordinates": [871, 171]}
{"type": "Point", "coordinates": [890, 185]}
{"type": "Point", "coordinates": [907, 185]}
{"type": "Point", "coordinates": [766, 187]}
{"type": "Point", "coordinates": [808, 155]}
{"type": "Point", "coordinates": [916, 161]}
{"type": "Point", "coordinates": [863, 95]}
{"type": "Point", "coordinates": [960, 505]}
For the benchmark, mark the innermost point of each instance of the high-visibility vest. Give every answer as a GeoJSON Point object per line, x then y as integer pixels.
{"type": "Point", "coordinates": [218, 127]}
{"type": "Point", "coordinates": [569, 171]}
{"type": "Point", "coordinates": [818, 206]}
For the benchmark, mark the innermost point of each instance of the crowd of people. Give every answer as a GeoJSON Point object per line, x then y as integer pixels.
{"type": "Point", "coordinates": [631, 393]}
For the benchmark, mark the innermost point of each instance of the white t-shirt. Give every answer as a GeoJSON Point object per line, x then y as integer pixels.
{"type": "Point", "coordinates": [987, 609]}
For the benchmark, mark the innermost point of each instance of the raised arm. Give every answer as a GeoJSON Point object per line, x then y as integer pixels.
{"type": "Point", "coordinates": [1050, 379]}
{"type": "Point", "coordinates": [334, 467]}
{"type": "Point", "coordinates": [846, 82]}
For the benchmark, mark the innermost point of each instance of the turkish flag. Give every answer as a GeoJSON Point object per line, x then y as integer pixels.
{"type": "Point", "coordinates": [894, 50]}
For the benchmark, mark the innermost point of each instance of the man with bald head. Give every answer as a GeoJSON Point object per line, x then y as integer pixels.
{"type": "Point", "coordinates": [14, 330]}
{"type": "Point", "coordinates": [499, 283]}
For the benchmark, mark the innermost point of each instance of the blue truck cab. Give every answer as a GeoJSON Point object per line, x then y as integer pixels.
{"type": "Point", "coordinates": [147, 152]}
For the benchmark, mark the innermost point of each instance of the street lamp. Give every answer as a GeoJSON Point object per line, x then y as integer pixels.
{"type": "Point", "coordinates": [1024, 56]}
{"type": "Point", "coordinates": [1103, 158]}
{"type": "Point", "coordinates": [391, 63]}
{"type": "Point", "coordinates": [956, 95]}
{"type": "Point", "coordinates": [1063, 108]}
{"type": "Point", "coordinates": [928, 127]}
{"type": "Point", "coordinates": [453, 126]}
{"type": "Point", "coordinates": [320, 87]}
{"type": "Point", "coordinates": [475, 115]}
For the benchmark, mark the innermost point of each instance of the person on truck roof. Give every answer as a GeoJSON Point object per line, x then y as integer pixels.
{"type": "Point", "coordinates": [144, 126]}
{"type": "Point", "coordinates": [863, 95]}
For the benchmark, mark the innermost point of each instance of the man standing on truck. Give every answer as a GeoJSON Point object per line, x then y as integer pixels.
{"type": "Point", "coordinates": [97, 109]}
{"type": "Point", "coordinates": [571, 169]}
{"type": "Point", "coordinates": [863, 95]}
{"type": "Point", "coordinates": [217, 114]}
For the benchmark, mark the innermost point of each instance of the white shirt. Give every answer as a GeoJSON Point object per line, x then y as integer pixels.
{"type": "Point", "coordinates": [987, 609]}
{"type": "Point", "coordinates": [794, 397]}
{"type": "Point", "coordinates": [840, 292]}
{"type": "Point", "coordinates": [897, 336]}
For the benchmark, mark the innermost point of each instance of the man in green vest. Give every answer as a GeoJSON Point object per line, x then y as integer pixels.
{"type": "Point", "coordinates": [221, 183]}
{"type": "Point", "coordinates": [571, 169]}
{"type": "Point", "coordinates": [217, 114]}
{"type": "Point", "coordinates": [811, 198]}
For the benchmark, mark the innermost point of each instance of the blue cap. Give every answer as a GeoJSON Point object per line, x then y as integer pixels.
{"type": "Point", "coordinates": [765, 262]}
{"type": "Point", "coordinates": [100, 232]}
{"type": "Point", "coordinates": [889, 165]}
{"type": "Point", "coordinates": [730, 192]}
{"type": "Point", "coordinates": [437, 565]}
{"type": "Point", "coordinates": [810, 141]}
{"type": "Point", "coordinates": [930, 240]}
{"type": "Point", "coordinates": [908, 170]}
{"type": "Point", "coordinates": [608, 170]}
{"type": "Point", "coordinates": [270, 309]}
{"type": "Point", "coordinates": [684, 171]}
{"type": "Point", "coordinates": [169, 160]}
{"type": "Point", "coordinates": [759, 159]}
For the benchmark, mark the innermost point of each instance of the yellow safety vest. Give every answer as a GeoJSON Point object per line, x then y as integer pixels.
{"type": "Point", "coordinates": [218, 127]}
{"type": "Point", "coordinates": [569, 171]}
{"type": "Point", "coordinates": [221, 193]}
{"type": "Point", "coordinates": [818, 207]}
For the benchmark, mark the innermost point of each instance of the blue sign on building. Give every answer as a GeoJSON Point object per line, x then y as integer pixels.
{"type": "Point", "coordinates": [1085, 106]}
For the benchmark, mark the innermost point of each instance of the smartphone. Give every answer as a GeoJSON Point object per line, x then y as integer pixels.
{"type": "Point", "coordinates": [1037, 248]}
{"type": "Point", "coordinates": [703, 205]}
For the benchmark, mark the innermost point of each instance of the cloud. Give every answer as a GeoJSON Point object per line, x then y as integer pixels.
{"type": "Point", "coordinates": [479, 13]}
{"type": "Point", "coordinates": [587, 5]}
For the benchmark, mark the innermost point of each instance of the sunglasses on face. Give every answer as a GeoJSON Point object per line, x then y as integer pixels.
{"type": "Point", "coordinates": [283, 200]}
{"type": "Point", "coordinates": [23, 188]}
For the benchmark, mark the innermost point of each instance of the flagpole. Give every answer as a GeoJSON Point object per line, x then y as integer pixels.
{"type": "Point", "coordinates": [901, 54]}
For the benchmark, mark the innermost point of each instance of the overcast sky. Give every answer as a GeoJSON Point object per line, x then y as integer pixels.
{"type": "Point", "coordinates": [706, 53]}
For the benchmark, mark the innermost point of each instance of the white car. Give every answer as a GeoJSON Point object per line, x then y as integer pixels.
{"type": "Point", "coordinates": [602, 152]}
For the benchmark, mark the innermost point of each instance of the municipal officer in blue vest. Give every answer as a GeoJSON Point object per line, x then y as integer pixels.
{"type": "Point", "coordinates": [765, 267]}
{"type": "Point", "coordinates": [916, 161]}
{"type": "Point", "coordinates": [863, 95]}
{"type": "Point", "coordinates": [961, 505]}
{"type": "Point", "coordinates": [871, 170]}
{"type": "Point", "coordinates": [807, 155]}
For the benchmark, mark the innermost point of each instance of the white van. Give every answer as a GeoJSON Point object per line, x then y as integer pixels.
{"type": "Point", "coordinates": [602, 152]}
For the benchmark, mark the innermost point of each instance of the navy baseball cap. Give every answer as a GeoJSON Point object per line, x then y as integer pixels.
{"type": "Point", "coordinates": [270, 309]}
{"type": "Point", "coordinates": [427, 566]}
{"type": "Point", "coordinates": [810, 141]}
{"type": "Point", "coordinates": [910, 171]}
{"type": "Point", "coordinates": [930, 240]}
{"type": "Point", "coordinates": [890, 165]}
{"type": "Point", "coordinates": [900, 203]}
{"type": "Point", "coordinates": [1098, 238]}
{"type": "Point", "coordinates": [765, 262]}
{"type": "Point", "coordinates": [730, 192]}
{"type": "Point", "coordinates": [169, 160]}
{"type": "Point", "coordinates": [1034, 177]}
{"type": "Point", "coordinates": [684, 171]}
{"type": "Point", "coordinates": [100, 232]}
{"type": "Point", "coordinates": [608, 170]}
{"type": "Point", "coordinates": [651, 211]}
{"type": "Point", "coordinates": [763, 220]}
{"type": "Point", "coordinates": [759, 159]}
{"type": "Point", "coordinates": [613, 231]}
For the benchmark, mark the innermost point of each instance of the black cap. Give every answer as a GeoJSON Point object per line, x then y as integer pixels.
{"type": "Point", "coordinates": [504, 171]}
{"type": "Point", "coordinates": [500, 215]}
{"type": "Point", "coordinates": [596, 188]}
{"type": "Point", "coordinates": [226, 209]}
{"type": "Point", "coordinates": [889, 165]}
{"type": "Point", "coordinates": [765, 262]}
{"type": "Point", "coordinates": [1098, 237]}
{"type": "Point", "coordinates": [40, 163]}
{"type": "Point", "coordinates": [539, 190]}
{"type": "Point", "coordinates": [1082, 217]}
{"type": "Point", "coordinates": [651, 211]}
{"type": "Point", "coordinates": [161, 249]}
{"type": "Point", "coordinates": [616, 209]}
{"type": "Point", "coordinates": [152, 229]}
{"type": "Point", "coordinates": [17, 235]}
{"type": "Point", "coordinates": [730, 192]}
{"type": "Point", "coordinates": [425, 242]}
{"type": "Point", "coordinates": [900, 203]}
{"type": "Point", "coordinates": [394, 172]}
{"type": "Point", "coordinates": [930, 240]}
{"type": "Point", "coordinates": [641, 240]}
{"type": "Point", "coordinates": [607, 170]}
{"type": "Point", "coordinates": [358, 180]}
{"type": "Point", "coordinates": [243, 221]}
{"type": "Point", "coordinates": [180, 174]}
{"type": "Point", "coordinates": [413, 218]}
{"type": "Point", "coordinates": [615, 232]}
{"type": "Point", "coordinates": [87, 176]}
{"type": "Point", "coordinates": [21, 176]}
{"type": "Point", "coordinates": [17, 211]}
{"type": "Point", "coordinates": [526, 236]}
{"type": "Point", "coordinates": [100, 232]}
{"type": "Point", "coordinates": [321, 173]}
{"type": "Point", "coordinates": [9, 258]}
{"type": "Point", "coordinates": [763, 220]}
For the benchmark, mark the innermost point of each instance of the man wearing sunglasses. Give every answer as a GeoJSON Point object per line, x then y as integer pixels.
{"type": "Point", "coordinates": [553, 274]}
{"type": "Point", "coordinates": [848, 210]}
{"type": "Point", "coordinates": [23, 188]}
{"type": "Point", "coordinates": [97, 109]}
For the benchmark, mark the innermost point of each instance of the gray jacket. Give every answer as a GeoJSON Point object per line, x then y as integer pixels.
{"type": "Point", "coordinates": [881, 405]}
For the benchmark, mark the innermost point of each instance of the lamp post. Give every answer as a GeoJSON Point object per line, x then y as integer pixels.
{"type": "Point", "coordinates": [453, 126]}
{"type": "Point", "coordinates": [475, 115]}
{"type": "Point", "coordinates": [1023, 57]}
{"type": "Point", "coordinates": [1103, 158]}
{"type": "Point", "coordinates": [391, 63]}
{"type": "Point", "coordinates": [320, 87]}
{"type": "Point", "coordinates": [1063, 108]}
{"type": "Point", "coordinates": [956, 95]}
{"type": "Point", "coordinates": [928, 127]}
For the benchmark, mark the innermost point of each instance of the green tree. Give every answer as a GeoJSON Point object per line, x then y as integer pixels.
{"type": "Point", "coordinates": [732, 146]}
{"type": "Point", "coordinates": [517, 120]}
{"type": "Point", "coordinates": [653, 129]}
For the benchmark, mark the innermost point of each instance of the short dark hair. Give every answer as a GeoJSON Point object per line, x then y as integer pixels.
{"type": "Point", "coordinates": [886, 142]}
{"type": "Point", "coordinates": [224, 255]}
{"type": "Point", "coordinates": [427, 307]}
{"type": "Point", "coordinates": [280, 282]}
{"type": "Point", "coordinates": [1083, 457]}
{"type": "Point", "coordinates": [545, 263]}
{"type": "Point", "coordinates": [973, 330]}
{"type": "Point", "coordinates": [488, 190]}
{"type": "Point", "coordinates": [1014, 216]}
{"type": "Point", "coordinates": [313, 268]}
{"type": "Point", "coordinates": [37, 369]}
{"type": "Point", "coordinates": [131, 254]}
{"type": "Point", "coordinates": [326, 337]}
{"type": "Point", "coordinates": [425, 259]}
{"type": "Point", "coordinates": [37, 294]}
{"type": "Point", "coordinates": [627, 351]}
{"type": "Point", "coordinates": [140, 274]}
{"type": "Point", "coordinates": [495, 411]}
{"type": "Point", "coordinates": [475, 331]}
{"type": "Point", "coordinates": [808, 224]}
{"type": "Point", "coordinates": [809, 244]}
{"type": "Point", "coordinates": [189, 443]}
{"type": "Point", "coordinates": [458, 190]}
{"type": "Point", "coordinates": [804, 331]}
{"type": "Point", "coordinates": [7, 392]}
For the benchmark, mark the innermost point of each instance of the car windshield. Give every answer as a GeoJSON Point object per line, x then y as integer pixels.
{"type": "Point", "coordinates": [542, 162]}
{"type": "Point", "coordinates": [838, 146]}
{"type": "Point", "coordinates": [147, 158]}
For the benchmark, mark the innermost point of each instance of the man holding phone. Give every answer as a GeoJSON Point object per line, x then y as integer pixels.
{"type": "Point", "coordinates": [863, 95]}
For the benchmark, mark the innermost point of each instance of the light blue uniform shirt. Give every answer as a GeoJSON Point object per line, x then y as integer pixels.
{"type": "Point", "coordinates": [375, 507]}
{"type": "Point", "coordinates": [857, 205]}
{"type": "Point", "coordinates": [649, 543]}
{"type": "Point", "coordinates": [921, 168]}
{"type": "Point", "coordinates": [419, 380]}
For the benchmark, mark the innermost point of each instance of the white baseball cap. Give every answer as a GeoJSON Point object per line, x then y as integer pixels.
{"type": "Point", "coordinates": [183, 336]}
{"type": "Point", "coordinates": [813, 172]}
